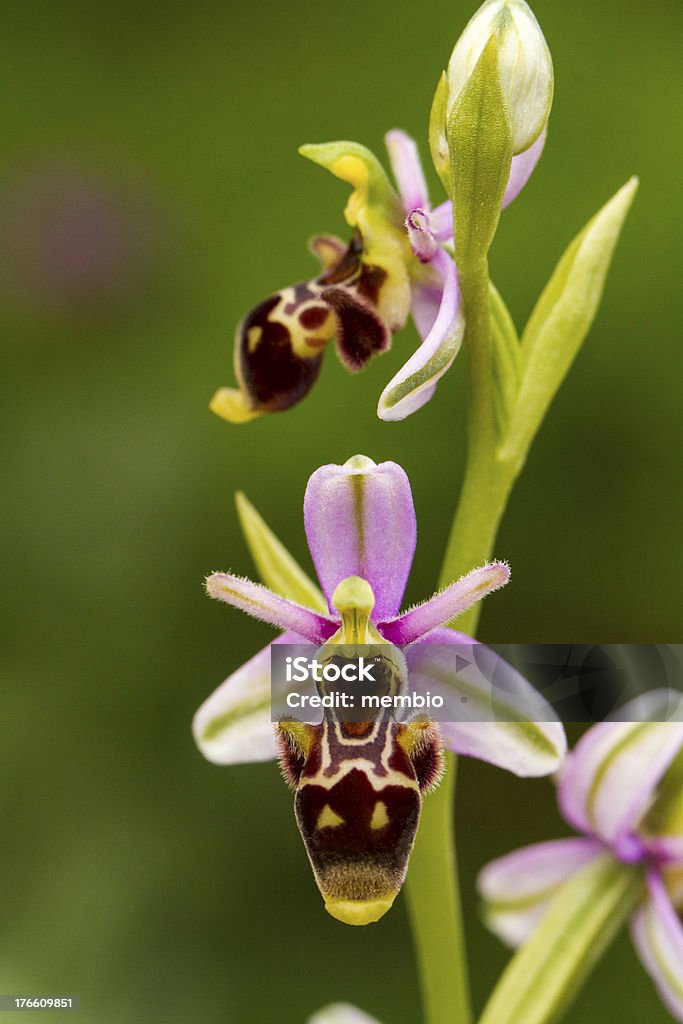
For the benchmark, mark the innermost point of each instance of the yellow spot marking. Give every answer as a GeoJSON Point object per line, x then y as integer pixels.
{"type": "Point", "coordinates": [328, 819]}
{"type": "Point", "coordinates": [352, 169]}
{"type": "Point", "coordinates": [380, 818]}
{"type": "Point", "coordinates": [254, 335]}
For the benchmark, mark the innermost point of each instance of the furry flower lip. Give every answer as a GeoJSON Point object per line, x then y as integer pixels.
{"type": "Point", "coordinates": [358, 787]}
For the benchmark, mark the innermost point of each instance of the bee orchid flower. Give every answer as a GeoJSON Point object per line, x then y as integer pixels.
{"type": "Point", "coordinates": [398, 262]}
{"type": "Point", "coordinates": [358, 791]}
{"type": "Point", "coordinates": [622, 789]}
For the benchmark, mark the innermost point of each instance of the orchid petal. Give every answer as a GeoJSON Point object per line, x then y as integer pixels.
{"type": "Point", "coordinates": [233, 725]}
{"type": "Point", "coordinates": [360, 521]}
{"type": "Point", "coordinates": [522, 168]}
{"type": "Point", "coordinates": [414, 383]}
{"type": "Point", "coordinates": [277, 567]}
{"type": "Point", "coordinates": [609, 779]}
{"type": "Point", "coordinates": [517, 888]}
{"type": "Point", "coordinates": [498, 716]}
{"type": "Point", "coordinates": [445, 605]}
{"type": "Point", "coordinates": [426, 299]}
{"type": "Point", "coordinates": [341, 1013]}
{"type": "Point", "coordinates": [261, 603]}
{"type": "Point", "coordinates": [441, 222]}
{"type": "Point", "coordinates": [407, 169]}
{"type": "Point", "coordinates": [657, 934]}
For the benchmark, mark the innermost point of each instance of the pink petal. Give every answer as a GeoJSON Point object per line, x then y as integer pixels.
{"type": "Point", "coordinates": [517, 888]}
{"type": "Point", "coordinates": [262, 603]}
{"type": "Point", "coordinates": [657, 934]}
{"type": "Point", "coordinates": [407, 169]}
{"type": "Point", "coordinates": [446, 605]}
{"type": "Point", "coordinates": [360, 521]}
{"type": "Point", "coordinates": [522, 168]}
{"type": "Point", "coordinates": [415, 382]}
{"type": "Point", "coordinates": [608, 781]}
{"type": "Point", "coordinates": [233, 725]}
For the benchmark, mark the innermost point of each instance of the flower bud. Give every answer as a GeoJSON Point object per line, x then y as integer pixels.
{"type": "Point", "coordinates": [524, 65]}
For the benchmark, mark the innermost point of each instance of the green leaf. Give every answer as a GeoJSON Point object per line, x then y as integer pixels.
{"type": "Point", "coordinates": [438, 143]}
{"type": "Point", "coordinates": [562, 318]}
{"type": "Point", "coordinates": [276, 567]}
{"type": "Point", "coordinates": [480, 146]}
{"type": "Point", "coordinates": [580, 923]}
{"type": "Point", "coordinates": [507, 358]}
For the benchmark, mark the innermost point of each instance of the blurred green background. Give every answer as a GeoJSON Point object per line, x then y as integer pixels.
{"type": "Point", "coordinates": [150, 192]}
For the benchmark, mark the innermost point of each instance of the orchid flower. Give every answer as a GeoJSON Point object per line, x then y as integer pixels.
{"type": "Point", "coordinates": [358, 790]}
{"type": "Point", "coordinates": [399, 261]}
{"type": "Point", "coordinates": [622, 788]}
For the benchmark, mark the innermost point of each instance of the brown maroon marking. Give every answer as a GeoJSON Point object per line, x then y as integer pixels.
{"type": "Point", "coordinates": [353, 860]}
{"type": "Point", "coordinates": [370, 282]}
{"type": "Point", "coordinates": [314, 316]}
{"type": "Point", "coordinates": [273, 375]}
{"type": "Point", "coordinates": [348, 266]}
{"type": "Point", "coordinates": [361, 331]}
{"type": "Point", "coordinates": [356, 729]}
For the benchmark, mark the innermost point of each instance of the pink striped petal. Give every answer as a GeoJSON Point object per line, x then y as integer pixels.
{"type": "Point", "coordinates": [233, 725]}
{"type": "Point", "coordinates": [407, 170]}
{"type": "Point", "coordinates": [608, 781]}
{"type": "Point", "coordinates": [360, 521]}
{"type": "Point", "coordinates": [522, 168]}
{"type": "Point", "coordinates": [262, 603]}
{"type": "Point", "coordinates": [446, 605]}
{"type": "Point", "coordinates": [517, 888]}
{"type": "Point", "coordinates": [415, 382]}
{"type": "Point", "coordinates": [498, 716]}
{"type": "Point", "coordinates": [657, 934]}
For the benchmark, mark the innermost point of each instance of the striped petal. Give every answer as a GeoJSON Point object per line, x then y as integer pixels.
{"type": "Point", "coordinates": [360, 521]}
{"type": "Point", "coordinates": [517, 888]}
{"type": "Point", "coordinates": [261, 603]}
{"type": "Point", "coordinates": [446, 605]}
{"type": "Point", "coordinates": [657, 934]}
{"type": "Point", "coordinates": [415, 382]}
{"type": "Point", "coordinates": [609, 780]}
{"type": "Point", "coordinates": [498, 717]}
{"type": "Point", "coordinates": [233, 725]}
{"type": "Point", "coordinates": [341, 1013]}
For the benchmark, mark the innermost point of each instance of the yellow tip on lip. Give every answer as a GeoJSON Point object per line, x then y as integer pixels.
{"type": "Point", "coordinates": [359, 912]}
{"type": "Point", "coordinates": [230, 405]}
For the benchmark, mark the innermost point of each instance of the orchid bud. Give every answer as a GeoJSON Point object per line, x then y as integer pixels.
{"type": "Point", "coordinates": [524, 65]}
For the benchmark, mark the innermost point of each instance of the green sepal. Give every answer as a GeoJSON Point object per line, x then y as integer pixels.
{"type": "Point", "coordinates": [562, 318]}
{"type": "Point", "coordinates": [579, 925]}
{"type": "Point", "coordinates": [438, 143]}
{"type": "Point", "coordinates": [480, 147]}
{"type": "Point", "coordinates": [507, 358]}
{"type": "Point", "coordinates": [359, 167]}
{"type": "Point", "coordinates": [276, 567]}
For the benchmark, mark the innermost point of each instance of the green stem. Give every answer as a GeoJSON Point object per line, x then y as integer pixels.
{"type": "Point", "coordinates": [435, 913]}
{"type": "Point", "coordinates": [432, 884]}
